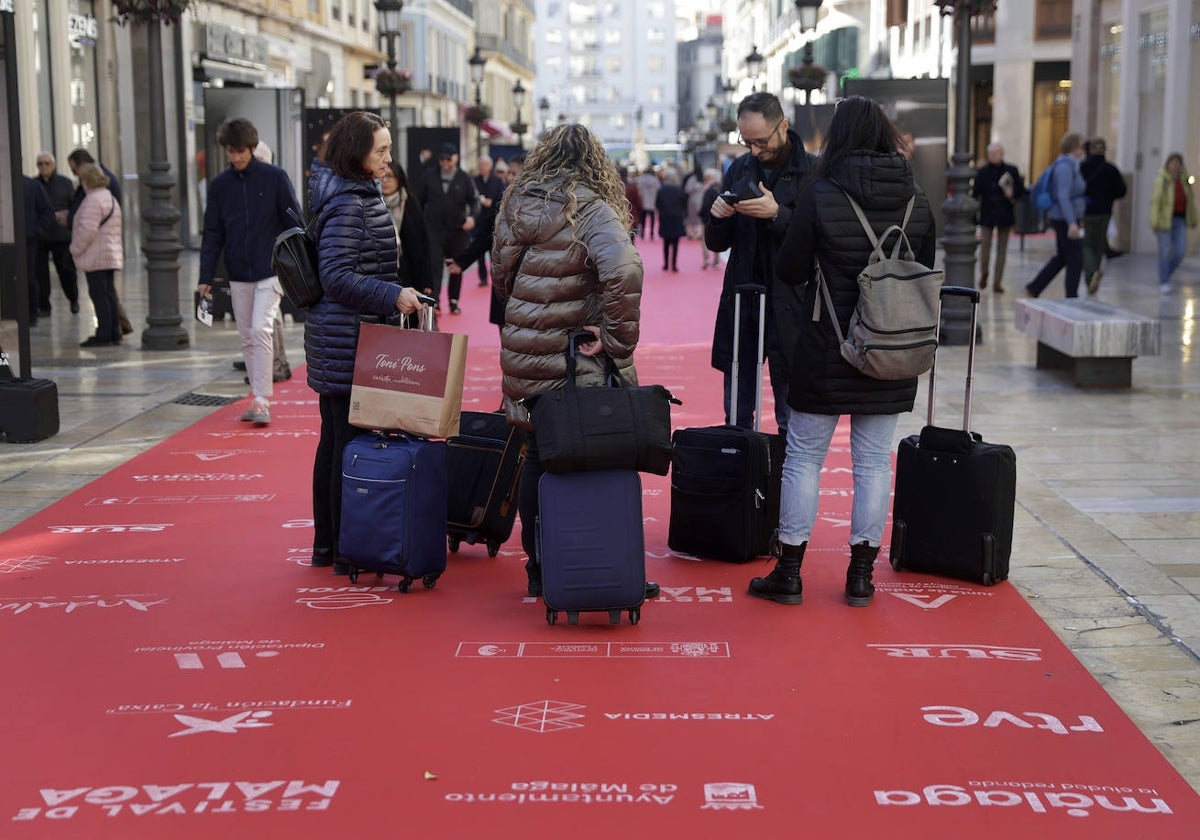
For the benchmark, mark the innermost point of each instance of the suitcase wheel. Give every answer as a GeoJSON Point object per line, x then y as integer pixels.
{"type": "Point", "coordinates": [455, 542]}
{"type": "Point", "coordinates": [353, 574]}
{"type": "Point", "coordinates": [405, 583]}
{"type": "Point", "coordinates": [614, 616]}
{"type": "Point", "coordinates": [635, 615]}
{"type": "Point", "coordinates": [430, 581]}
{"type": "Point", "coordinates": [899, 529]}
{"type": "Point", "coordinates": [572, 616]}
{"type": "Point", "coordinates": [493, 548]}
{"type": "Point", "coordinates": [551, 616]}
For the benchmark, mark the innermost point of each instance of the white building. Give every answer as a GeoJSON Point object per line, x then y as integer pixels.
{"type": "Point", "coordinates": [609, 64]}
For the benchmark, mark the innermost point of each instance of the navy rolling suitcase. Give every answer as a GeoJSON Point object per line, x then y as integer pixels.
{"type": "Point", "coordinates": [955, 494]}
{"type": "Point", "coordinates": [726, 480]}
{"type": "Point", "coordinates": [485, 460]}
{"type": "Point", "coordinates": [394, 507]}
{"type": "Point", "coordinates": [591, 545]}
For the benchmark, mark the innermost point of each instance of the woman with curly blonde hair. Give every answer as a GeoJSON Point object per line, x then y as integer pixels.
{"type": "Point", "coordinates": [563, 261]}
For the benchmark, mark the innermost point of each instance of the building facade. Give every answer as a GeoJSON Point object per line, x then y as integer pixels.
{"type": "Point", "coordinates": [610, 64]}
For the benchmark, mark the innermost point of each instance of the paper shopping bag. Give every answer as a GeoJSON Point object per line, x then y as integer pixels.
{"type": "Point", "coordinates": [408, 379]}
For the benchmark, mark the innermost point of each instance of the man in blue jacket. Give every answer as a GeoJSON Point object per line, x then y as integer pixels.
{"type": "Point", "coordinates": [247, 208]}
{"type": "Point", "coordinates": [751, 229]}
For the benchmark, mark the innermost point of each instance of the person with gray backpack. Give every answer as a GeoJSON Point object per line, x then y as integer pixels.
{"type": "Point", "coordinates": [859, 165]}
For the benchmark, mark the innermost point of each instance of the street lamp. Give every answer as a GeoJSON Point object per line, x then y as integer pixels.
{"type": "Point", "coordinates": [807, 12]}
{"type": "Point", "coordinates": [519, 128]}
{"type": "Point", "coordinates": [754, 63]}
{"type": "Point", "coordinates": [388, 13]}
{"type": "Point", "coordinates": [959, 208]}
{"type": "Point", "coordinates": [544, 110]}
{"type": "Point", "coordinates": [477, 61]}
{"type": "Point", "coordinates": [711, 109]}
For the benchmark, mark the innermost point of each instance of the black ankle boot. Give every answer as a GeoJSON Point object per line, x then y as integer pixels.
{"type": "Point", "coordinates": [783, 584]}
{"type": "Point", "coordinates": [859, 590]}
{"type": "Point", "coordinates": [322, 555]}
{"type": "Point", "coordinates": [533, 570]}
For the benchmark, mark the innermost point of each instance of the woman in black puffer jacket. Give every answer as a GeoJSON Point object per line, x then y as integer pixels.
{"type": "Point", "coordinates": [859, 160]}
{"type": "Point", "coordinates": [356, 255]}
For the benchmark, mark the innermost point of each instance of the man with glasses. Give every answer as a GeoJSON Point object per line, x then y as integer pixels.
{"type": "Point", "coordinates": [56, 243]}
{"type": "Point", "coordinates": [751, 229]}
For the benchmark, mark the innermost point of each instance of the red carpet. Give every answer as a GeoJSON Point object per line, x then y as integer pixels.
{"type": "Point", "coordinates": [174, 669]}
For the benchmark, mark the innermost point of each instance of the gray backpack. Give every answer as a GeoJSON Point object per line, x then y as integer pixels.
{"type": "Point", "coordinates": [893, 331]}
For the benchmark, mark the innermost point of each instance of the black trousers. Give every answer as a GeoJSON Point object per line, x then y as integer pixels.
{"type": "Point", "coordinates": [102, 290]}
{"type": "Point", "coordinates": [336, 432]}
{"type": "Point", "coordinates": [527, 500]}
{"type": "Point", "coordinates": [60, 252]}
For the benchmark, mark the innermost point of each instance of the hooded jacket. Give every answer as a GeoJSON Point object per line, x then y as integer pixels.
{"type": "Point", "coordinates": [556, 279]}
{"type": "Point", "coordinates": [356, 260]}
{"type": "Point", "coordinates": [824, 227]}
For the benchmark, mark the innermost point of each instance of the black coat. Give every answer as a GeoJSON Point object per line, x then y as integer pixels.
{"type": "Point", "coordinates": [60, 191]}
{"type": "Point", "coordinates": [447, 210]}
{"type": "Point", "coordinates": [671, 204]}
{"type": "Point", "coordinates": [356, 260]}
{"type": "Point", "coordinates": [752, 245]}
{"type": "Point", "coordinates": [39, 215]}
{"type": "Point", "coordinates": [995, 208]}
{"type": "Point", "coordinates": [1105, 185]}
{"type": "Point", "coordinates": [825, 227]}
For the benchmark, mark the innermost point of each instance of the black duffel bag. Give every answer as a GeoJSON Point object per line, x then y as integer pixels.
{"type": "Point", "coordinates": [618, 426]}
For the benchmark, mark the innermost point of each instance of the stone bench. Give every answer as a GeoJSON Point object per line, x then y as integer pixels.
{"type": "Point", "coordinates": [1095, 341]}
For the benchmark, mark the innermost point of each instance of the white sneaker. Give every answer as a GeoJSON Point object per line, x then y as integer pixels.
{"type": "Point", "coordinates": [260, 413]}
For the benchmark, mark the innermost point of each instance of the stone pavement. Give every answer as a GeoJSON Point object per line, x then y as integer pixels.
{"type": "Point", "coordinates": [1107, 540]}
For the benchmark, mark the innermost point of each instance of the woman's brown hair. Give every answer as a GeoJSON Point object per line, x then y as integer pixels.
{"type": "Point", "coordinates": [349, 141]}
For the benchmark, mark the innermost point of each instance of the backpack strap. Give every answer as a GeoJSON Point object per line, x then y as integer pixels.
{"type": "Point", "coordinates": [877, 242]}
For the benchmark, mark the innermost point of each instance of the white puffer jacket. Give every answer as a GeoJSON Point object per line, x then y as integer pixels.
{"type": "Point", "coordinates": [97, 246]}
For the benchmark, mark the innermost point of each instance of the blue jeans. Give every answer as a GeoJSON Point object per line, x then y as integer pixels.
{"type": "Point", "coordinates": [808, 437]}
{"type": "Point", "coordinates": [1172, 245]}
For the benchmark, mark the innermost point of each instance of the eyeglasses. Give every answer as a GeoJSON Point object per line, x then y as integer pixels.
{"type": "Point", "coordinates": [764, 142]}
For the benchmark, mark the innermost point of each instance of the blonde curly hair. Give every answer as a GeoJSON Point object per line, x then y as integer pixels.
{"type": "Point", "coordinates": [573, 156]}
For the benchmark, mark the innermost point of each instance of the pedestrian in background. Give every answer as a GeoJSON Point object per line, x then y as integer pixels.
{"type": "Point", "coordinates": [1172, 212]}
{"type": "Point", "coordinates": [563, 261]}
{"type": "Point", "coordinates": [249, 204]}
{"type": "Point", "coordinates": [712, 187]}
{"type": "Point", "coordinates": [76, 159]}
{"type": "Point", "coordinates": [490, 188]}
{"type": "Point", "coordinates": [997, 185]}
{"type": "Point", "coordinates": [648, 184]}
{"type": "Point", "coordinates": [1105, 185]}
{"type": "Point", "coordinates": [98, 249]}
{"type": "Point", "coordinates": [412, 237]}
{"type": "Point", "coordinates": [447, 196]}
{"type": "Point", "coordinates": [39, 216]}
{"type": "Point", "coordinates": [1069, 191]}
{"type": "Point", "coordinates": [358, 266]}
{"type": "Point", "coordinates": [672, 211]}
{"type": "Point", "coordinates": [56, 242]}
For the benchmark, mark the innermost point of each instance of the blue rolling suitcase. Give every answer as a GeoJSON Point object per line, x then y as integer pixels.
{"type": "Point", "coordinates": [591, 545]}
{"type": "Point", "coordinates": [394, 507]}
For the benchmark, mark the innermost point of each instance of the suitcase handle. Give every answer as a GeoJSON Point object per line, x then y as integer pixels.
{"type": "Point", "coordinates": [973, 296]}
{"type": "Point", "coordinates": [761, 293]}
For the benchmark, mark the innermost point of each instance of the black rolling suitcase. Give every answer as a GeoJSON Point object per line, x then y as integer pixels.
{"type": "Point", "coordinates": [725, 480]}
{"type": "Point", "coordinates": [591, 544]}
{"type": "Point", "coordinates": [484, 460]}
{"type": "Point", "coordinates": [955, 494]}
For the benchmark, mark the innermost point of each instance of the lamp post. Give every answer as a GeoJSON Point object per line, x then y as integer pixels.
{"type": "Point", "coordinates": [959, 208]}
{"type": "Point", "coordinates": [519, 128]}
{"type": "Point", "coordinates": [477, 61]}
{"type": "Point", "coordinates": [754, 63]}
{"type": "Point", "coordinates": [388, 12]}
{"type": "Point", "coordinates": [544, 110]}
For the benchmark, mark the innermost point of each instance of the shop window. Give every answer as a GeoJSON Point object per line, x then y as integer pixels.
{"type": "Point", "coordinates": [1052, 20]}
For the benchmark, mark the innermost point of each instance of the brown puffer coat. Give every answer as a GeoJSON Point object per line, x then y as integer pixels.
{"type": "Point", "coordinates": [590, 275]}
